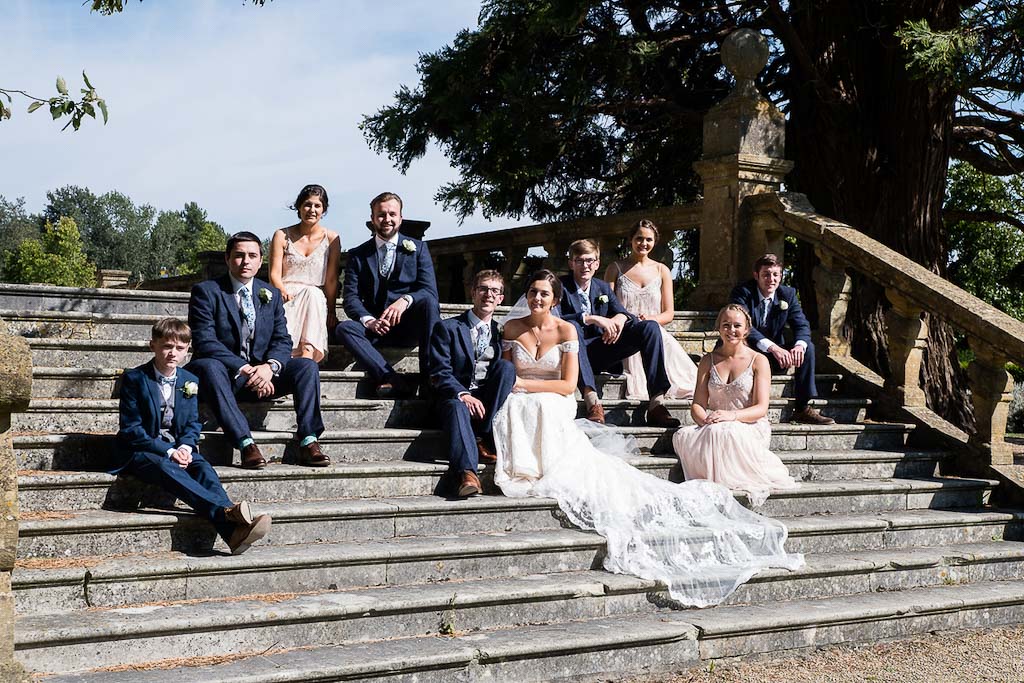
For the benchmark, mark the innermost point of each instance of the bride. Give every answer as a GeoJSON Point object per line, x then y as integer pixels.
{"type": "Point", "coordinates": [692, 537]}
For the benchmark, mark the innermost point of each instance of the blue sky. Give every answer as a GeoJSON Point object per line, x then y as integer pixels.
{"type": "Point", "coordinates": [232, 106]}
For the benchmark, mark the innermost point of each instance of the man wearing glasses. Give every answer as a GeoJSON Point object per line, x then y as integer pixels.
{"type": "Point", "coordinates": [609, 334]}
{"type": "Point", "coordinates": [471, 381]}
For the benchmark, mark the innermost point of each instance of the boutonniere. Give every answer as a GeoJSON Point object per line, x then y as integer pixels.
{"type": "Point", "coordinates": [190, 389]}
{"type": "Point", "coordinates": [783, 305]}
{"type": "Point", "coordinates": [266, 295]}
{"type": "Point", "coordinates": [603, 299]}
{"type": "Point", "coordinates": [409, 246]}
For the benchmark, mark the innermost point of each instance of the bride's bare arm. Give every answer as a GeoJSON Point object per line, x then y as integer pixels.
{"type": "Point", "coordinates": [566, 384]}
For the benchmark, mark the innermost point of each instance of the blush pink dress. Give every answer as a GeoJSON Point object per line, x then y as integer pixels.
{"type": "Point", "coordinates": [306, 313]}
{"type": "Point", "coordinates": [734, 454]}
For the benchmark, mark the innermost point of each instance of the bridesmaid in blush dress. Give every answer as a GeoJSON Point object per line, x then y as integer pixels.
{"type": "Point", "coordinates": [729, 442]}
{"type": "Point", "coordinates": [304, 265]}
{"type": "Point", "coordinates": [644, 286]}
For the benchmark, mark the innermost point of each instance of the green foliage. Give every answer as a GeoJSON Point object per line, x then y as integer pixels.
{"type": "Point", "coordinates": [62, 104]}
{"type": "Point", "coordinates": [57, 258]}
{"type": "Point", "coordinates": [109, 7]}
{"type": "Point", "coordinates": [937, 53]}
{"type": "Point", "coordinates": [211, 237]}
{"type": "Point", "coordinates": [16, 225]}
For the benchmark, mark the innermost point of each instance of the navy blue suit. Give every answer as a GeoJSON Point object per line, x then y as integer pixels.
{"type": "Point", "coordinates": [643, 336]}
{"type": "Point", "coordinates": [365, 293]}
{"type": "Point", "coordinates": [785, 312]}
{"type": "Point", "coordinates": [217, 356]}
{"type": "Point", "coordinates": [451, 365]}
{"type": "Point", "coordinates": [142, 452]}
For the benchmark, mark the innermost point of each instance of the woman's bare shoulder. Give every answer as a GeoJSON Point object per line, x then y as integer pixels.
{"type": "Point", "coordinates": [513, 328]}
{"type": "Point", "coordinates": [566, 331]}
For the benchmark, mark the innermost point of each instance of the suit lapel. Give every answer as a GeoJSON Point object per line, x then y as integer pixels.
{"type": "Point", "coordinates": [466, 337]}
{"type": "Point", "coordinates": [231, 306]}
{"type": "Point", "coordinates": [374, 263]}
{"type": "Point", "coordinates": [496, 338]}
{"type": "Point", "coordinates": [153, 387]}
{"type": "Point", "coordinates": [400, 258]}
{"type": "Point", "coordinates": [571, 295]}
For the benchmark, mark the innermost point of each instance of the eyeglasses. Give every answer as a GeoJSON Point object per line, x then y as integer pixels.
{"type": "Point", "coordinates": [586, 262]}
{"type": "Point", "coordinates": [493, 291]}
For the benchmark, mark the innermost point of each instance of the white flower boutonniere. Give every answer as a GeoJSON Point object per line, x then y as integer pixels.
{"type": "Point", "coordinates": [190, 389]}
{"type": "Point", "coordinates": [603, 299]}
{"type": "Point", "coordinates": [784, 305]}
{"type": "Point", "coordinates": [409, 246]}
{"type": "Point", "coordinates": [266, 295]}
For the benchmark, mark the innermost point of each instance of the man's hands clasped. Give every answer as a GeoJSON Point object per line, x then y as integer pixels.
{"type": "Point", "coordinates": [260, 379]}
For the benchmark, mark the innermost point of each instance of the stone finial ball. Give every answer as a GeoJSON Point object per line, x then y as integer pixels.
{"type": "Point", "coordinates": [745, 53]}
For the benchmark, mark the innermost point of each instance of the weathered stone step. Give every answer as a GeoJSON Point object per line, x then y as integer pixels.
{"type": "Point", "coordinates": [60, 382]}
{"type": "Point", "coordinates": [626, 645]}
{"type": "Point", "coordinates": [50, 491]}
{"type": "Point", "coordinates": [84, 451]}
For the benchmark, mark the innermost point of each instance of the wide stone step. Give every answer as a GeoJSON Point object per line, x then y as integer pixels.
{"type": "Point", "coordinates": [50, 491]}
{"type": "Point", "coordinates": [88, 451]}
{"type": "Point", "coordinates": [622, 645]}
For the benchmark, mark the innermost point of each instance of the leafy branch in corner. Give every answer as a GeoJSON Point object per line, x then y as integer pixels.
{"type": "Point", "coordinates": [62, 104]}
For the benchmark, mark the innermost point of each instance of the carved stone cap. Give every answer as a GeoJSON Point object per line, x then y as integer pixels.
{"type": "Point", "coordinates": [744, 54]}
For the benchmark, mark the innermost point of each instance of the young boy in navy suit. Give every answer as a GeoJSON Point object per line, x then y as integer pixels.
{"type": "Point", "coordinates": [159, 438]}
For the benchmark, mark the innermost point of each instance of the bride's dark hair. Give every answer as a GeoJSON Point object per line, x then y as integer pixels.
{"type": "Point", "coordinates": [550, 278]}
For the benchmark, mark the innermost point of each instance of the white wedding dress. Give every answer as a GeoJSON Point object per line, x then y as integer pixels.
{"type": "Point", "coordinates": [693, 537]}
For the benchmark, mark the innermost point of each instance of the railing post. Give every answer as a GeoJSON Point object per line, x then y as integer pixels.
{"type": "Point", "coordinates": [991, 393]}
{"type": "Point", "coordinates": [833, 287]}
{"type": "Point", "coordinates": [558, 258]}
{"type": "Point", "coordinates": [515, 261]}
{"type": "Point", "coordinates": [907, 333]}
{"type": "Point", "coordinates": [15, 391]}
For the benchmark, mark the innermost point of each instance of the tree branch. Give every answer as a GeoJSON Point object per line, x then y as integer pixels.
{"type": "Point", "coordinates": [982, 216]}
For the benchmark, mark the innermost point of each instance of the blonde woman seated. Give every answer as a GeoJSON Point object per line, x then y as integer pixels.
{"type": "Point", "coordinates": [644, 286]}
{"type": "Point", "coordinates": [304, 265]}
{"type": "Point", "coordinates": [729, 443]}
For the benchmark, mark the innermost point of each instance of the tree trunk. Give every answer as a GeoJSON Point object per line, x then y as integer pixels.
{"type": "Point", "coordinates": [871, 145]}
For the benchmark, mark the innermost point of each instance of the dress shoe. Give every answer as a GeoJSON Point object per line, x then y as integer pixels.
{"type": "Point", "coordinates": [595, 413]}
{"type": "Point", "coordinates": [396, 387]}
{"type": "Point", "coordinates": [810, 416]}
{"type": "Point", "coordinates": [245, 535]}
{"type": "Point", "coordinates": [252, 458]}
{"type": "Point", "coordinates": [658, 416]}
{"type": "Point", "coordinates": [310, 455]}
{"type": "Point", "coordinates": [470, 485]}
{"type": "Point", "coordinates": [484, 453]}
{"type": "Point", "coordinates": [239, 513]}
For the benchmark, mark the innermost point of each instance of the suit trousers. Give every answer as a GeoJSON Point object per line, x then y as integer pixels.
{"type": "Point", "coordinates": [414, 330]}
{"type": "Point", "coordinates": [462, 428]}
{"type": "Point", "coordinates": [299, 377]}
{"type": "Point", "coordinates": [643, 336]}
{"type": "Point", "coordinates": [197, 485]}
{"type": "Point", "coordinates": [804, 386]}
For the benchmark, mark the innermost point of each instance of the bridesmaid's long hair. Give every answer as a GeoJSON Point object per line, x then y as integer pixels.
{"type": "Point", "coordinates": [550, 278]}
{"type": "Point", "coordinates": [739, 308]}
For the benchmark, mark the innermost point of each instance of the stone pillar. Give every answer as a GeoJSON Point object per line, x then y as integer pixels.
{"type": "Point", "coordinates": [907, 333]}
{"type": "Point", "coordinates": [558, 259]}
{"type": "Point", "coordinates": [744, 143]}
{"type": "Point", "coordinates": [512, 269]}
{"type": "Point", "coordinates": [448, 270]}
{"type": "Point", "coordinates": [15, 391]}
{"type": "Point", "coordinates": [475, 261]}
{"type": "Point", "coordinates": [991, 393]}
{"type": "Point", "coordinates": [833, 287]}
{"type": "Point", "coordinates": [106, 277]}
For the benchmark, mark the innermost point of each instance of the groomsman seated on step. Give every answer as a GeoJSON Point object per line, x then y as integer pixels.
{"type": "Point", "coordinates": [390, 297]}
{"type": "Point", "coordinates": [772, 307]}
{"type": "Point", "coordinates": [243, 353]}
{"type": "Point", "coordinates": [471, 381]}
{"type": "Point", "coordinates": [158, 441]}
{"type": "Point", "coordinates": [609, 334]}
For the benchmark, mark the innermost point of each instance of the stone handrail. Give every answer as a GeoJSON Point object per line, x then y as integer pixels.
{"type": "Point", "coordinates": [994, 337]}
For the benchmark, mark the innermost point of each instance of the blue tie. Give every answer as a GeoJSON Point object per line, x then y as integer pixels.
{"type": "Point", "coordinates": [483, 339]}
{"type": "Point", "coordinates": [387, 259]}
{"type": "Point", "coordinates": [248, 311]}
{"type": "Point", "coordinates": [584, 303]}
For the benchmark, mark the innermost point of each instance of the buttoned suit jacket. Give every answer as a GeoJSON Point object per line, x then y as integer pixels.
{"type": "Point", "coordinates": [366, 293]}
{"type": "Point", "coordinates": [452, 358]}
{"type": "Point", "coordinates": [779, 317]}
{"type": "Point", "coordinates": [603, 302]}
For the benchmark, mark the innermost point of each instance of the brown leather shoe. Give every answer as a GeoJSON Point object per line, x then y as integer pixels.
{"type": "Point", "coordinates": [595, 413]}
{"type": "Point", "coordinates": [396, 387]}
{"type": "Point", "coordinates": [658, 416]}
{"type": "Point", "coordinates": [484, 453]}
{"type": "Point", "coordinates": [310, 455]}
{"type": "Point", "coordinates": [245, 535]}
{"type": "Point", "coordinates": [470, 485]}
{"type": "Point", "coordinates": [239, 513]}
{"type": "Point", "coordinates": [810, 416]}
{"type": "Point", "coordinates": [252, 458]}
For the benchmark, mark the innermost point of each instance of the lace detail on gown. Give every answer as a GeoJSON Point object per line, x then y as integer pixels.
{"type": "Point", "coordinates": [693, 537]}
{"type": "Point", "coordinates": [680, 368]}
{"type": "Point", "coordinates": [734, 454]}
{"type": "Point", "coordinates": [306, 313]}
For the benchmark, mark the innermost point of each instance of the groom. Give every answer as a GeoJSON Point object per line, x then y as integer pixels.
{"type": "Point", "coordinates": [609, 333]}
{"type": "Point", "coordinates": [471, 380]}
{"type": "Point", "coordinates": [390, 297]}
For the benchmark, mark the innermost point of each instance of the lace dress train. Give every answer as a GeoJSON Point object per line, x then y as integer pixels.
{"type": "Point", "coordinates": [306, 313]}
{"type": "Point", "coordinates": [693, 537]}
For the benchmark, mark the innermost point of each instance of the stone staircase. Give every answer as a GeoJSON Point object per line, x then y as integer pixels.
{"type": "Point", "coordinates": [368, 575]}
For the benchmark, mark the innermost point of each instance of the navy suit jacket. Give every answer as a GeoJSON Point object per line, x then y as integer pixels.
{"type": "Point", "coordinates": [365, 294]}
{"type": "Point", "coordinates": [779, 317]}
{"type": "Point", "coordinates": [140, 414]}
{"type": "Point", "coordinates": [216, 324]}
{"type": "Point", "coordinates": [569, 308]}
{"type": "Point", "coordinates": [451, 362]}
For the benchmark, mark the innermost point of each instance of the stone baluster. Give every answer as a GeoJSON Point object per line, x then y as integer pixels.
{"type": "Point", "coordinates": [991, 393]}
{"type": "Point", "coordinates": [475, 262]}
{"type": "Point", "coordinates": [448, 272]}
{"type": "Point", "coordinates": [833, 287]}
{"type": "Point", "coordinates": [907, 333]}
{"type": "Point", "coordinates": [513, 269]}
{"type": "Point", "coordinates": [558, 258]}
{"type": "Point", "coordinates": [15, 391]}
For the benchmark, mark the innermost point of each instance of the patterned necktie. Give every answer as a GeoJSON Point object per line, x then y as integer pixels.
{"type": "Point", "coordinates": [483, 339]}
{"type": "Point", "coordinates": [248, 310]}
{"type": "Point", "coordinates": [387, 259]}
{"type": "Point", "coordinates": [765, 307]}
{"type": "Point", "coordinates": [584, 302]}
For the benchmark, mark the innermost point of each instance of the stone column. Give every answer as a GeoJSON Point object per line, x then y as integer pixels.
{"type": "Point", "coordinates": [991, 393]}
{"type": "Point", "coordinates": [906, 332]}
{"type": "Point", "coordinates": [474, 264]}
{"type": "Point", "coordinates": [512, 269]}
{"type": "Point", "coordinates": [15, 391]}
{"type": "Point", "coordinates": [558, 259]}
{"type": "Point", "coordinates": [744, 142]}
{"type": "Point", "coordinates": [448, 270]}
{"type": "Point", "coordinates": [833, 287]}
